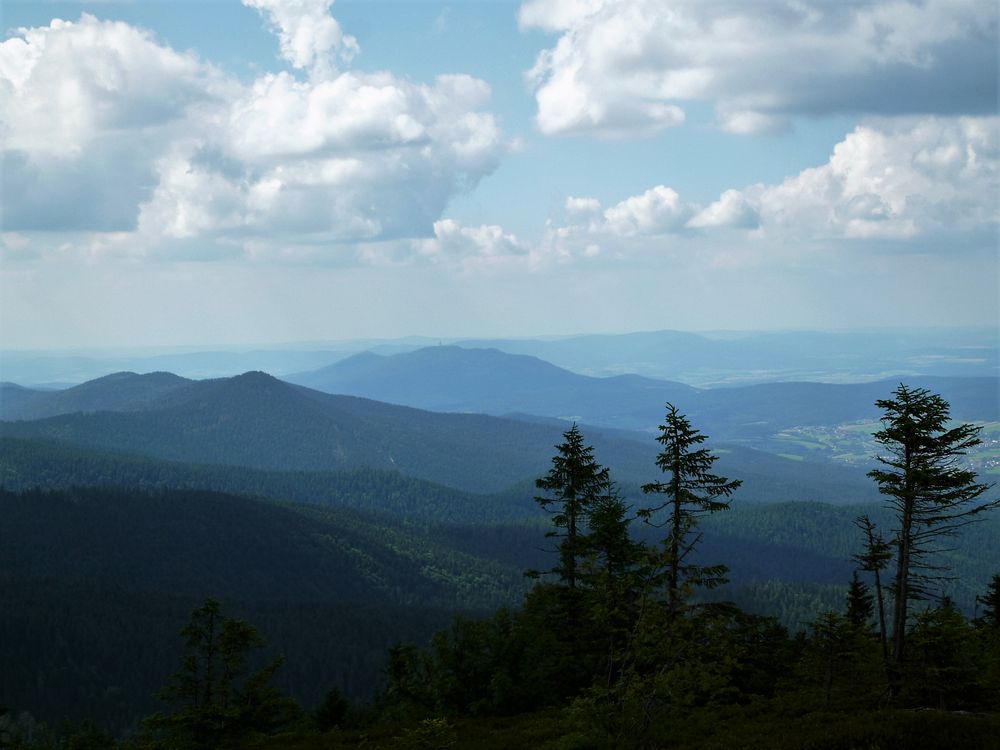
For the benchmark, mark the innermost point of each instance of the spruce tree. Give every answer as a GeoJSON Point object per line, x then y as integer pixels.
{"type": "Point", "coordinates": [876, 557]}
{"type": "Point", "coordinates": [930, 492]}
{"type": "Point", "coordinates": [860, 602]}
{"type": "Point", "coordinates": [608, 540]}
{"type": "Point", "coordinates": [690, 491]}
{"type": "Point", "coordinates": [574, 482]}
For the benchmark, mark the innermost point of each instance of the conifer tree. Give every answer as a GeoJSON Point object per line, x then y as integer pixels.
{"type": "Point", "coordinates": [216, 702]}
{"type": "Point", "coordinates": [943, 668]}
{"type": "Point", "coordinates": [832, 651]}
{"type": "Point", "coordinates": [574, 482]}
{"type": "Point", "coordinates": [608, 540]}
{"type": "Point", "coordinates": [860, 602]}
{"type": "Point", "coordinates": [991, 602]}
{"type": "Point", "coordinates": [929, 491]}
{"type": "Point", "coordinates": [613, 575]}
{"type": "Point", "coordinates": [875, 558]}
{"type": "Point", "coordinates": [690, 491]}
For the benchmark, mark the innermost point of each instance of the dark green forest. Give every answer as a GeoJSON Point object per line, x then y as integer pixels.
{"type": "Point", "coordinates": [154, 603]}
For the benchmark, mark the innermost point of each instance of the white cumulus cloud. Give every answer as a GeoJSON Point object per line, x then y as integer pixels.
{"type": "Point", "coordinates": [623, 67]}
{"type": "Point", "coordinates": [105, 129]}
{"type": "Point", "coordinates": [658, 210]}
{"type": "Point", "coordinates": [452, 240]}
{"type": "Point", "coordinates": [891, 179]}
{"type": "Point", "coordinates": [896, 179]}
{"type": "Point", "coordinates": [731, 210]}
{"type": "Point", "coordinates": [310, 37]}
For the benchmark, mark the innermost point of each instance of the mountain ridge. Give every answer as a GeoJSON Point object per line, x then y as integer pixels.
{"type": "Point", "coordinates": [450, 378]}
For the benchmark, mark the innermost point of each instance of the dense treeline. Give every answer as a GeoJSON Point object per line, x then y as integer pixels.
{"type": "Point", "coordinates": [27, 464]}
{"type": "Point", "coordinates": [196, 542]}
{"type": "Point", "coordinates": [82, 651]}
{"type": "Point", "coordinates": [97, 580]}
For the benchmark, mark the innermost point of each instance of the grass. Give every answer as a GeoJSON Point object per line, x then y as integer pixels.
{"type": "Point", "coordinates": [766, 726]}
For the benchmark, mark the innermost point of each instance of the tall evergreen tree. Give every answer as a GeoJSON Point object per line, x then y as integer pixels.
{"type": "Point", "coordinates": [875, 558]}
{"type": "Point", "coordinates": [574, 482]}
{"type": "Point", "coordinates": [691, 491]}
{"type": "Point", "coordinates": [930, 492]}
{"type": "Point", "coordinates": [860, 602]}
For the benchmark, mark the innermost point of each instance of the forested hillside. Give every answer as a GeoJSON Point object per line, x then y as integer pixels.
{"type": "Point", "coordinates": [262, 423]}
{"type": "Point", "coordinates": [257, 421]}
{"type": "Point", "coordinates": [122, 391]}
{"type": "Point", "coordinates": [315, 574]}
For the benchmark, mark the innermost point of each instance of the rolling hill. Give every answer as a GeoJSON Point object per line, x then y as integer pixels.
{"type": "Point", "coordinates": [257, 421]}
{"type": "Point", "coordinates": [121, 391]}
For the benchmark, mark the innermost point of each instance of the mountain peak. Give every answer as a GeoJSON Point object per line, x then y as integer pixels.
{"type": "Point", "coordinates": [255, 376]}
{"type": "Point", "coordinates": [254, 381]}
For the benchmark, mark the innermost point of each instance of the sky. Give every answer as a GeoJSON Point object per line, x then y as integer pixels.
{"type": "Point", "coordinates": [235, 173]}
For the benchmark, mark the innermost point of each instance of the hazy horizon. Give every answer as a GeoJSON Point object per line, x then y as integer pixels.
{"type": "Point", "coordinates": [431, 339]}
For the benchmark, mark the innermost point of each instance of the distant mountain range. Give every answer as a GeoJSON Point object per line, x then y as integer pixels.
{"type": "Point", "coordinates": [450, 378]}
{"type": "Point", "coordinates": [257, 421]}
{"type": "Point", "coordinates": [695, 359]}
{"type": "Point", "coordinates": [489, 381]}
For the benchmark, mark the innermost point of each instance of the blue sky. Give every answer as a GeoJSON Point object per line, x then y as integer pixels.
{"type": "Point", "coordinates": [277, 170]}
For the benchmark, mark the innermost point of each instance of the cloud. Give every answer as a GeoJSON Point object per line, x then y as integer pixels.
{"type": "Point", "coordinates": [895, 179]}
{"type": "Point", "coordinates": [731, 210]}
{"type": "Point", "coordinates": [452, 240]}
{"type": "Point", "coordinates": [657, 211]}
{"type": "Point", "coordinates": [85, 108]}
{"type": "Point", "coordinates": [310, 37]}
{"type": "Point", "coordinates": [104, 129]}
{"type": "Point", "coordinates": [64, 85]}
{"type": "Point", "coordinates": [627, 67]}
{"type": "Point", "coordinates": [582, 207]}
{"type": "Point", "coordinates": [892, 180]}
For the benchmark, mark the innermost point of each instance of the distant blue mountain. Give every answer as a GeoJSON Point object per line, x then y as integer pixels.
{"type": "Point", "coordinates": [450, 378]}
{"type": "Point", "coordinates": [488, 381]}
